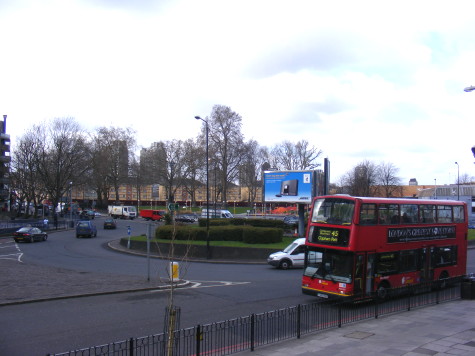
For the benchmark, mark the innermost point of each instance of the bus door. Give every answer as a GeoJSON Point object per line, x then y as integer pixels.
{"type": "Point", "coordinates": [427, 269]}
{"type": "Point", "coordinates": [364, 273]}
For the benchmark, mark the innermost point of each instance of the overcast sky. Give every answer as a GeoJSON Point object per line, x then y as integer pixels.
{"type": "Point", "coordinates": [360, 80]}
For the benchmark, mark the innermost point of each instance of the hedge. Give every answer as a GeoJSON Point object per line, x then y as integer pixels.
{"type": "Point", "coordinates": [276, 223]}
{"type": "Point", "coordinates": [244, 233]}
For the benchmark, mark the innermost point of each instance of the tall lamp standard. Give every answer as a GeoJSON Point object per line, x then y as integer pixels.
{"type": "Point", "coordinates": [458, 181]}
{"type": "Point", "coordinates": [71, 202]}
{"type": "Point", "coordinates": [207, 186]}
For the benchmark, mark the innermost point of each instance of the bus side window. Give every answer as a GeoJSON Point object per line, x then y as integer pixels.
{"type": "Point", "coordinates": [444, 214]}
{"type": "Point", "coordinates": [387, 263]}
{"type": "Point", "coordinates": [409, 213]}
{"type": "Point", "coordinates": [427, 212]}
{"type": "Point", "coordinates": [459, 215]}
{"type": "Point", "coordinates": [445, 256]}
{"type": "Point", "coordinates": [368, 214]}
{"type": "Point", "coordinates": [388, 214]}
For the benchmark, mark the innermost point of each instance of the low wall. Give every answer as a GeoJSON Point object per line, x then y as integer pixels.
{"type": "Point", "coordinates": [193, 251]}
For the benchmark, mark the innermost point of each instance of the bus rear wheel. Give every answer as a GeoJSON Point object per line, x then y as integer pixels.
{"type": "Point", "coordinates": [443, 280]}
{"type": "Point", "coordinates": [383, 291]}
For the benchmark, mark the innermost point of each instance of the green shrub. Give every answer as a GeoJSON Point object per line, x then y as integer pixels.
{"type": "Point", "coordinates": [277, 223]}
{"type": "Point", "coordinates": [260, 235]}
{"type": "Point", "coordinates": [168, 219]}
{"type": "Point", "coordinates": [247, 234]}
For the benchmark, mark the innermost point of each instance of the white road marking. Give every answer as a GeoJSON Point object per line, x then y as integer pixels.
{"type": "Point", "coordinates": [11, 256]}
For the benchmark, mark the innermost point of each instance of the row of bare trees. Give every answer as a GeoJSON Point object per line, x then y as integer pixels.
{"type": "Point", "coordinates": [50, 157]}
{"type": "Point", "coordinates": [370, 179]}
{"type": "Point", "coordinates": [378, 180]}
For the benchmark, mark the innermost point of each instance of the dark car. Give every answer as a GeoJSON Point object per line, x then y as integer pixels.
{"type": "Point", "coordinates": [87, 214]}
{"type": "Point", "coordinates": [110, 224]}
{"type": "Point", "coordinates": [291, 220]}
{"type": "Point", "coordinates": [29, 234]}
{"type": "Point", "coordinates": [190, 218]}
{"type": "Point", "coordinates": [86, 228]}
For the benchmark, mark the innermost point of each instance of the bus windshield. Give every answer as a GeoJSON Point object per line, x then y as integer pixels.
{"type": "Point", "coordinates": [333, 211]}
{"type": "Point", "coordinates": [335, 266]}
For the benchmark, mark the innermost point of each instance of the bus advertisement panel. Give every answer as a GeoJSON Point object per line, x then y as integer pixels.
{"type": "Point", "coordinates": [368, 245]}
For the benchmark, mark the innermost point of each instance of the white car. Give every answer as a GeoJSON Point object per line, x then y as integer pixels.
{"type": "Point", "coordinates": [292, 256]}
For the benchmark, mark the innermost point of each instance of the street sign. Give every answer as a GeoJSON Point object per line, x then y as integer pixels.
{"type": "Point", "coordinates": [173, 206]}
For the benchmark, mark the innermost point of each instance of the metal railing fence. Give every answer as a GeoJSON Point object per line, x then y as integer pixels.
{"type": "Point", "coordinates": [249, 332]}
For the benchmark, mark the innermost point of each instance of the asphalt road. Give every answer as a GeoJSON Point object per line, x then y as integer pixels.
{"type": "Point", "coordinates": [65, 265]}
{"type": "Point", "coordinates": [216, 292]}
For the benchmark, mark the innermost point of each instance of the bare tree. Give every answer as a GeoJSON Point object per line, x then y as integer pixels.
{"type": "Point", "coordinates": [226, 141]}
{"type": "Point", "coordinates": [298, 156]}
{"type": "Point", "coordinates": [388, 184]}
{"type": "Point", "coordinates": [113, 147]}
{"type": "Point", "coordinates": [24, 175]}
{"type": "Point", "coordinates": [194, 160]}
{"type": "Point", "coordinates": [169, 166]}
{"type": "Point", "coordinates": [359, 180]}
{"type": "Point", "coordinates": [254, 158]}
{"type": "Point", "coordinates": [62, 156]}
{"type": "Point", "coordinates": [465, 178]}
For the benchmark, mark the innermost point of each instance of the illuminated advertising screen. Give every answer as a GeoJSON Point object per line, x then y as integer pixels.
{"type": "Point", "coordinates": [289, 186]}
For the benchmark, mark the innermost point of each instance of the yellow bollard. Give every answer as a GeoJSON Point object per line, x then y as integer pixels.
{"type": "Point", "coordinates": [174, 271]}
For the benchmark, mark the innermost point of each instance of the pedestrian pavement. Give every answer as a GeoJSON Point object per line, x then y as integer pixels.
{"type": "Point", "coordinates": [443, 329]}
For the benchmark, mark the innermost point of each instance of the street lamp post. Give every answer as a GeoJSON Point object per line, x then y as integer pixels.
{"type": "Point", "coordinates": [71, 202]}
{"type": "Point", "coordinates": [458, 181]}
{"type": "Point", "coordinates": [207, 186]}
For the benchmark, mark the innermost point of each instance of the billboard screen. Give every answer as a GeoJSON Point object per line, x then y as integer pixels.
{"type": "Point", "coordinates": [289, 186]}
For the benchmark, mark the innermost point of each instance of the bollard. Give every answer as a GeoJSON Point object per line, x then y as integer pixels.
{"type": "Point", "coordinates": [174, 271]}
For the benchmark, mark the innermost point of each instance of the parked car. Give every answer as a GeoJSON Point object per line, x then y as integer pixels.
{"type": "Point", "coordinates": [291, 220]}
{"type": "Point", "coordinates": [292, 256]}
{"type": "Point", "coordinates": [86, 228]}
{"type": "Point", "coordinates": [29, 234]}
{"type": "Point", "coordinates": [110, 224]}
{"type": "Point", "coordinates": [87, 214]}
{"type": "Point", "coordinates": [190, 218]}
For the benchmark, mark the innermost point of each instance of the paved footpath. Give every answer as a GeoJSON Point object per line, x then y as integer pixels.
{"type": "Point", "coordinates": [444, 329]}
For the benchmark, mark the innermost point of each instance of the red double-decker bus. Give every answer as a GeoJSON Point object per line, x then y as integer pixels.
{"type": "Point", "coordinates": [358, 246]}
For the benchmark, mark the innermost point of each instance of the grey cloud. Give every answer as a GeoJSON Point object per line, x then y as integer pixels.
{"type": "Point", "coordinates": [313, 53]}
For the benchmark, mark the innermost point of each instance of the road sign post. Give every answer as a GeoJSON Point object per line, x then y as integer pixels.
{"type": "Point", "coordinates": [129, 229]}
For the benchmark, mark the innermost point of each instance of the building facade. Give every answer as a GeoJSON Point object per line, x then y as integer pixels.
{"type": "Point", "coordinates": [5, 160]}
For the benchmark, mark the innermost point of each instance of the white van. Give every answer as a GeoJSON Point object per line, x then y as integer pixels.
{"type": "Point", "coordinates": [292, 256]}
{"type": "Point", "coordinates": [216, 214]}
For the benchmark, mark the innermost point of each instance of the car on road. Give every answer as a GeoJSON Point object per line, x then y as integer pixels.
{"type": "Point", "coordinates": [110, 223]}
{"type": "Point", "coordinates": [292, 256]}
{"type": "Point", "coordinates": [29, 234]}
{"type": "Point", "coordinates": [87, 214]}
{"type": "Point", "coordinates": [86, 228]}
{"type": "Point", "coordinates": [189, 218]}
